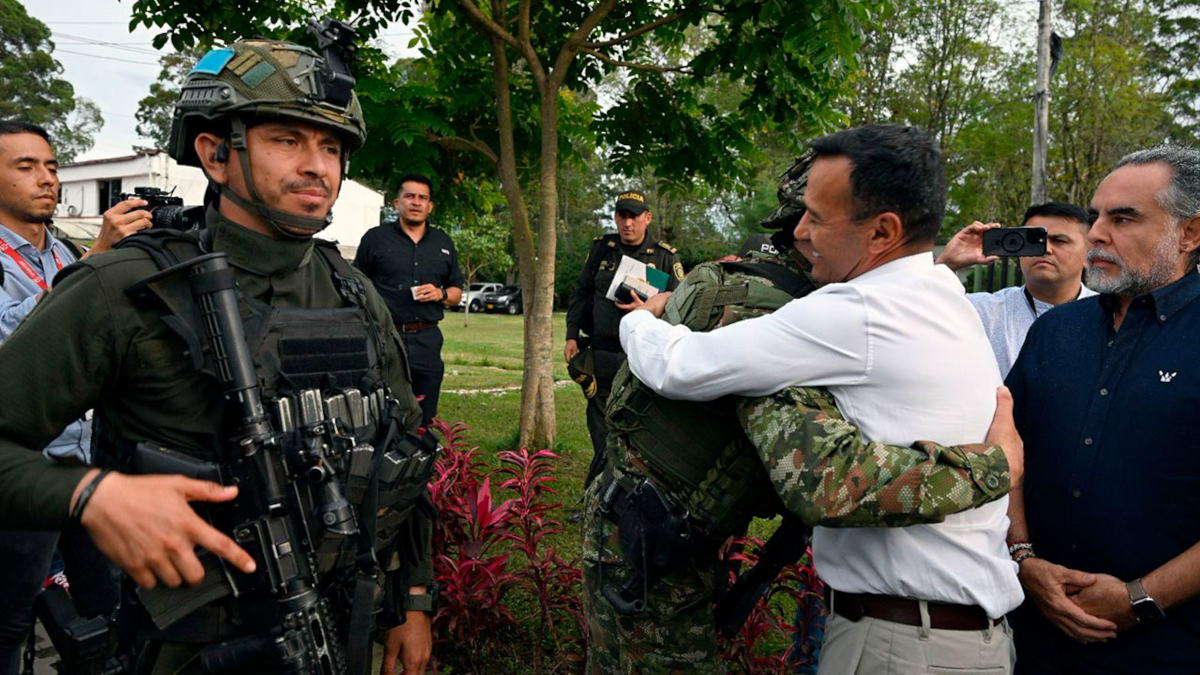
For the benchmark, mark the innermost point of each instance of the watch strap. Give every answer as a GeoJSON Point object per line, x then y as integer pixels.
{"type": "Point", "coordinates": [1145, 608]}
{"type": "Point", "coordinates": [424, 602]}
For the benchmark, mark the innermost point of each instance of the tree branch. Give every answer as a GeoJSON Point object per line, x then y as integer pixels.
{"type": "Point", "coordinates": [670, 18]}
{"type": "Point", "coordinates": [634, 65]}
{"type": "Point", "coordinates": [486, 25]}
{"type": "Point", "coordinates": [573, 43]}
{"type": "Point", "coordinates": [457, 143]}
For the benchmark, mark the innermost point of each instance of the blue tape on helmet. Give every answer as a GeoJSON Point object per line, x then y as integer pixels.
{"type": "Point", "coordinates": [212, 62]}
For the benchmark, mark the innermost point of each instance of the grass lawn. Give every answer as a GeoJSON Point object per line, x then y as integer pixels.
{"type": "Point", "coordinates": [486, 354]}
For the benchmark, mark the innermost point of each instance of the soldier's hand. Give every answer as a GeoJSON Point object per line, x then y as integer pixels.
{"type": "Point", "coordinates": [570, 350]}
{"type": "Point", "coordinates": [122, 220]}
{"type": "Point", "coordinates": [145, 525]}
{"type": "Point", "coordinates": [411, 643]}
{"type": "Point", "coordinates": [656, 304]}
{"type": "Point", "coordinates": [1003, 433]}
{"type": "Point", "coordinates": [966, 248]}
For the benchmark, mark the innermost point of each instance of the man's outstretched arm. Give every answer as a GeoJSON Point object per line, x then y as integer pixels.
{"type": "Point", "coordinates": [826, 474]}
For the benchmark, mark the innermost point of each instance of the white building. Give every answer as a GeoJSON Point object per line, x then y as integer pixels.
{"type": "Point", "coordinates": [87, 189]}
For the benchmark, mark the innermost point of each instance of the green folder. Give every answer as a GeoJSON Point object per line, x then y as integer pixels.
{"type": "Point", "coordinates": [657, 278]}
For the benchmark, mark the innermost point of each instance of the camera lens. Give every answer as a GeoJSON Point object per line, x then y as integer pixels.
{"type": "Point", "coordinates": [164, 217]}
{"type": "Point", "coordinates": [1012, 242]}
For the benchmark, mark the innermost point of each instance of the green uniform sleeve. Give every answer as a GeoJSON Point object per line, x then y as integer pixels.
{"type": "Point", "coordinates": [54, 367]}
{"type": "Point", "coordinates": [826, 474]}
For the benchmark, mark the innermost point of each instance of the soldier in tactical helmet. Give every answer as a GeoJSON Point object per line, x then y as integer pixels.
{"type": "Point", "coordinates": [272, 125]}
{"type": "Point", "coordinates": [806, 453]}
{"type": "Point", "coordinates": [592, 318]}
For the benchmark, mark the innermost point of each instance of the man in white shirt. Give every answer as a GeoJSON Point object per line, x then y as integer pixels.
{"type": "Point", "coordinates": [904, 354]}
{"type": "Point", "coordinates": [1050, 279]}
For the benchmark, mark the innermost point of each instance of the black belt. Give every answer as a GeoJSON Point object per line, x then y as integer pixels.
{"type": "Point", "coordinates": [414, 326]}
{"type": "Point", "coordinates": [942, 615]}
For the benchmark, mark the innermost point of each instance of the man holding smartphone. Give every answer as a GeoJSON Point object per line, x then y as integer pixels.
{"type": "Point", "coordinates": [1051, 279]}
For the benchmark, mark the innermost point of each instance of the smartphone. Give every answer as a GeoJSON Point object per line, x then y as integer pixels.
{"type": "Point", "coordinates": [1014, 241]}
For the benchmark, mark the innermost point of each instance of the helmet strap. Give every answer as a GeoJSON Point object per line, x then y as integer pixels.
{"type": "Point", "coordinates": [276, 218]}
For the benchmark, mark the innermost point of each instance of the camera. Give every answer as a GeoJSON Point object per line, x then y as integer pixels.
{"type": "Point", "coordinates": [1015, 241]}
{"type": "Point", "coordinates": [166, 210]}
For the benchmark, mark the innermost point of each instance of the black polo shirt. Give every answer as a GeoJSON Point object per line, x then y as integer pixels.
{"type": "Point", "coordinates": [395, 263]}
{"type": "Point", "coordinates": [1112, 464]}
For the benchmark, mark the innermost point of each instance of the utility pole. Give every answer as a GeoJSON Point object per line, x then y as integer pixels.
{"type": "Point", "coordinates": [1041, 104]}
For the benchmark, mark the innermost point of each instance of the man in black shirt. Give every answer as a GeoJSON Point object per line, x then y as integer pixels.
{"type": "Point", "coordinates": [592, 313]}
{"type": "Point", "coordinates": [415, 269]}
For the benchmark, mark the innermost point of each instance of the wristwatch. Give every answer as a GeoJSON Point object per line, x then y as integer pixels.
{"type": "Point", "coordinates": [1144, 607]}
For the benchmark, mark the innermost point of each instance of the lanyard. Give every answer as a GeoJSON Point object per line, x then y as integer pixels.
{"type": "Point", "coordinates": [25, 266]}
{"type": "Point", "coordinates": [1033, 308]}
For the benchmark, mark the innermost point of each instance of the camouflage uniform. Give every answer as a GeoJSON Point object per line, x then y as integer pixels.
{"type": "Point", "coordinates": [822, 470]}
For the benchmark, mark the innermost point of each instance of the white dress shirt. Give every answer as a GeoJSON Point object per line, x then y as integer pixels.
{"type": "Point", "coordinates": [906, 358]}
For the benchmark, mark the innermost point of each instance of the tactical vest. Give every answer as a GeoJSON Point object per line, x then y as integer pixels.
{"type": "Point", "coordinates": [322, 385]}
{"type": "Point", "coordinates": [696, 452]}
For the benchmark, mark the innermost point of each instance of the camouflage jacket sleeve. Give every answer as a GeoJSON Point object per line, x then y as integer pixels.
{"type": "Point", "coordinates": [826, 474]}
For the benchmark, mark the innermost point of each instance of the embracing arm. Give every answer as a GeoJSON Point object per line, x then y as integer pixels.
{"type": "Point", "coordinates": [827, 474]}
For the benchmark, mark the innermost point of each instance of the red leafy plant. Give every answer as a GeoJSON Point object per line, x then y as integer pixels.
{"type": "Point", "coordinates": [775, 639]}
{"type": "Point", "coordinates": [475, 539]}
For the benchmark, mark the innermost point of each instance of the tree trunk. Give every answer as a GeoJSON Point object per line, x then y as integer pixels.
{"type": "Point", "coordinates": [506, 172]}
{"type": "Point", "coordinates": [541, 334]}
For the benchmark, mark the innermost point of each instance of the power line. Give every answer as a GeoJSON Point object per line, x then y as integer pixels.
{"type": "Point", "coordinates": [110, 45]}
{"type": "Point", "coordinates": [107, 58]}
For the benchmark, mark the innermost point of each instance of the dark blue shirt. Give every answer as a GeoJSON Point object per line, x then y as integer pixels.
{"type": "Point", "coordinates": [1112, 463]}
{"type": "Point", "coordinates": [395, 264]}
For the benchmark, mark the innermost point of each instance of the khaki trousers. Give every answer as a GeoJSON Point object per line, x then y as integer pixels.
{"type": "Point", "coordinates": [876, 647]}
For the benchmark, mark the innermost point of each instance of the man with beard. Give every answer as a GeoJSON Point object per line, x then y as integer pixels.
{"type": "Point", "coordinates": [1105, 391]}
{"type": "Point", "coordinates": [271, 124]}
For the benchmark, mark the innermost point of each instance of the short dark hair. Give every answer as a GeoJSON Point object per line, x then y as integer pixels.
{"type": "Point", "coordinates": [1057, 210]}
{"type": "Point", "coordinates": [413, 178]}
{"type": "Point", "coordinates": [893, 168]}
{"type": "Point", "coordinates": [20, 127]}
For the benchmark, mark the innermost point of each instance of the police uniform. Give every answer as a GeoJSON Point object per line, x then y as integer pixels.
{"type": "Point", "coordinates": [145, 335]}
{"type": "Point", "coordinates": [599, 318]}
{"type": "Point", "coordinates": [88, 344]}
{"type": "Point", "coordinates": [811, 454]}
{"type": "Point", "coordinates": [395, 264]}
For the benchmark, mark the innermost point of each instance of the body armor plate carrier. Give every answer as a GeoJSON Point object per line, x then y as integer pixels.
{"type": "Point", "coordinates": [333, 453]}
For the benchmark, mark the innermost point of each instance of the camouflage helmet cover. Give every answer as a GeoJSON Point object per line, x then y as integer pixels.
{"type": "Point", "coordinates": [792, 185]}
{"type": "Point", "coordinates": [258, 80]}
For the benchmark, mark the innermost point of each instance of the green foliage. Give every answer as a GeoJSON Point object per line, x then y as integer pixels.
{"type": "Point", "coordinates": [32, 90]}
{"type": "Point", "coordinates": [156, 109]}
{"type": "Point", "coordinates": [964, 70]}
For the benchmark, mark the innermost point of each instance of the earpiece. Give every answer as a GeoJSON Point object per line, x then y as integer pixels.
{"type": "Point", "coordinates": [221, 154]}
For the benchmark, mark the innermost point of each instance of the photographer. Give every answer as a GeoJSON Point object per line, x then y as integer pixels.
{"type": "Point", "coordinates": [1051, 279]}
{"type": "Point", "coordinates": [32, 257]}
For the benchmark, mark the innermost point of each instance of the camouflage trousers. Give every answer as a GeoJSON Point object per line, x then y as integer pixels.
{"type": "Point", "coordinates": [674, 636]}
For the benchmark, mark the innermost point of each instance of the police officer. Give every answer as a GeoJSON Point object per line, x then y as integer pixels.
{"type": "Point", "coordinates": [271, 124]}
{"type": "Point", "coordinates": [593, 314]}
{"type": "Point", "coordinates": [415, 269]}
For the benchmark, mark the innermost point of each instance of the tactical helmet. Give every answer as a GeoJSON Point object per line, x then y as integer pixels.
{"type": "Point", "coordinates": [258, 80]}
{"type": "Point", "coordinates": [792, 185]}
{"type": "Point", "coordinates": [252, 81]}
